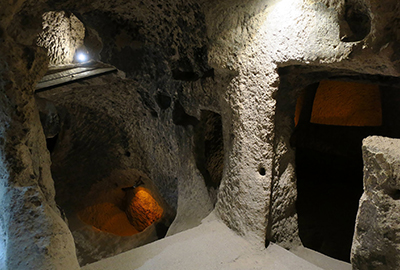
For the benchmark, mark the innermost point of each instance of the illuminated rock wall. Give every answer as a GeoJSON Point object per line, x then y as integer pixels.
{"type": "Point", "coordinates": [142, 209]}
{"type": "Point", "coordinates": [376, 241]}
{"type": "Point", "coordinates": [62, 35]}
{"type": "Point", "coordinates": [257, 43]}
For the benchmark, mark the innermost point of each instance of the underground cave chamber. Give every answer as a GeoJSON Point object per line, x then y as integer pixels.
{"type": "Point", "coordinates": [107, 185]}
{"type": "Point", "coordinates": [332, 117]}
{"type": "Point", "coordinates": [104, 186]}
{"type": "Point", "coordinates": [102, 181]}
{"type": "Point", "coordinates": [127, 213]}
{"type": "Point", "coordinates": [110, 203]}
{"type": "Point", "coordinates": [111, 210]}
{"type": "Point", "coordinates": [108, 143]}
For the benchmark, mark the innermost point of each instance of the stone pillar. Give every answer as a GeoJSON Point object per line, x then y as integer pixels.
{"type": "Point", "coordinates": [33, 235]}
{"type": "Point", "coordinates": [244, 196]}
{"type": "Point", "coordinates": [376, 242]}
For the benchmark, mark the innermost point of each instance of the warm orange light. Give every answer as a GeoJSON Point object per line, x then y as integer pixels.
{"type": "Point", "coordinates": [137, 211]}
{"type": "Point", "coordinates": [347, 104]}
{"type": "Point", "coordinates": [109, 218]}
{"type": "Point", "coordinates": [142, 209]}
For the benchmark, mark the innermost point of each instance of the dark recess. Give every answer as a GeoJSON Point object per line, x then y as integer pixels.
{"type": "Point", "coordinates": [329, 170]}
{"type": "Point", "coordinates": [181, 118]}
{"type": "Point", "coordinates": [358, 21]}
{"type": "Point", "coordinates": [182, 75]}
{"type": "Point", "coordinates": [163, 100]}
{"type": "Point", "coordinates": [148, 102]}
{"type": "Point", "coordinates": [329, 188]}
{"type": "Point", "coordinates": [51, 143]}
{"type": "Point", "coordinates": [161, 230]}
{"type": "Point", "coordinates": [29, 55]}
{"type": "Point", "coordinates": [209, 150]}
{"type": "Point", "coordinates": [395, 195]}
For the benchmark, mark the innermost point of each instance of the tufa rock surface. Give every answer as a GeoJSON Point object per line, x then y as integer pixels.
{"type": "Point", "coordinates": [376, 243]}
{"type": "Point", "coordinates": [62, 35]}
{"type": "Point", "coordinates": [33, 234]}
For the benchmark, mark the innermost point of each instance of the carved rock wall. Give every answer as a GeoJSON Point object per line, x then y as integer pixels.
{"type": "Point", "coordinates": [254, 40]}
{"type": "Point", "coordinates": [33, 235]}
{"type": "Point", "coordinates": [62, 35]}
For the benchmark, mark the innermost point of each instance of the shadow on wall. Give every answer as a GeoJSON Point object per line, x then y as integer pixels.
{"type": "Point", "coordinates": [355, 23]}
{"type": "Point", "coordinates": [208, 145]}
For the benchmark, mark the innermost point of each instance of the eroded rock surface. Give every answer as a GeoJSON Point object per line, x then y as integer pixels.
{"type": "Point", "coordinates": [33, 234]}
{"type": "Point", "coordinates": [376, 243]}
{"type": "Point", "coordinates": [62, 35]}
{"type": "Point", "coordinates": [142, 209]}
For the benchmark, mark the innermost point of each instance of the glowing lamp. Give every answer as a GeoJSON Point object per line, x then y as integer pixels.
{"type": "Point", "coordinates": [81, 57]}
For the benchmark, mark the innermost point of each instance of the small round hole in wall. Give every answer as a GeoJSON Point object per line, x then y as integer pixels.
{"type": "Point", "coordinates": [262, 171]}
{"type": "Point", "coordinates": [395, 194]}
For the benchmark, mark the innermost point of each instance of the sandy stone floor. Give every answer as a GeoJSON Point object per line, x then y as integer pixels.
{"type": "Point", "coordinates": [210, 246]}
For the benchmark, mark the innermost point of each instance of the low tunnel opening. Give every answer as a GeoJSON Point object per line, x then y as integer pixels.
{"type": "Point", "coordinates": [332, 118]}
{"type": "Point", "coordinates": [126, 212]}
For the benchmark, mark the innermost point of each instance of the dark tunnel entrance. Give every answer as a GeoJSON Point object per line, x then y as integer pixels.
{"type": "Point", "coordinates": [329, 187]}
{"type": "Point", "coordinates": [332, 118]}
{"type": "Point", "coordinates": [209, 151]}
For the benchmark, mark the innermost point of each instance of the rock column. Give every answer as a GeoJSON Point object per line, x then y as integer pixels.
{"type": "Point", "coordinates": [33, 235]}
{"type": "Point", "coordinates": [376, 242]}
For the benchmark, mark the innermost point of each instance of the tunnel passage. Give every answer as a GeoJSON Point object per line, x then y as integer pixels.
{"type": "Point", "coordinates": [332, 118]}
{"type": "Point", "coordinates": [355, 23]}
{"type": "Point", "coordinates": [63, 34]}
{"type": "Point", "coordinates": [100, 146]}
{"type": "Point", "coordinates": [67, 40]}
{"type": "Point", "coordinates": [95, 165]}
{"type": "Point", "coordinates": [124, 211]}
{"type": "Point", "coordinates": [209, 150]}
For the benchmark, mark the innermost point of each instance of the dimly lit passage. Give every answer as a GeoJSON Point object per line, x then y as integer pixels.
{"type": "Point", "coordinates": [209, 150]}
{"type": "Point", "coordinates": [332, 119]}
{"type": "Point", "coordinates": [125, 213]}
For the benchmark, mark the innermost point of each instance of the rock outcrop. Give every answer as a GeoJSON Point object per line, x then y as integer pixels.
{"type": "Point", "coordinates": [62, 35]}
{"type": "Point", "coordinates": [33, 234]}
{"type": "Point", "coordinates": [376, 243]}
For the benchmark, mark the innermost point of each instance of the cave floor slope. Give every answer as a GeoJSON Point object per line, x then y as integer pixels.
{"type": "Point", "coordinates": [209, 246]}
